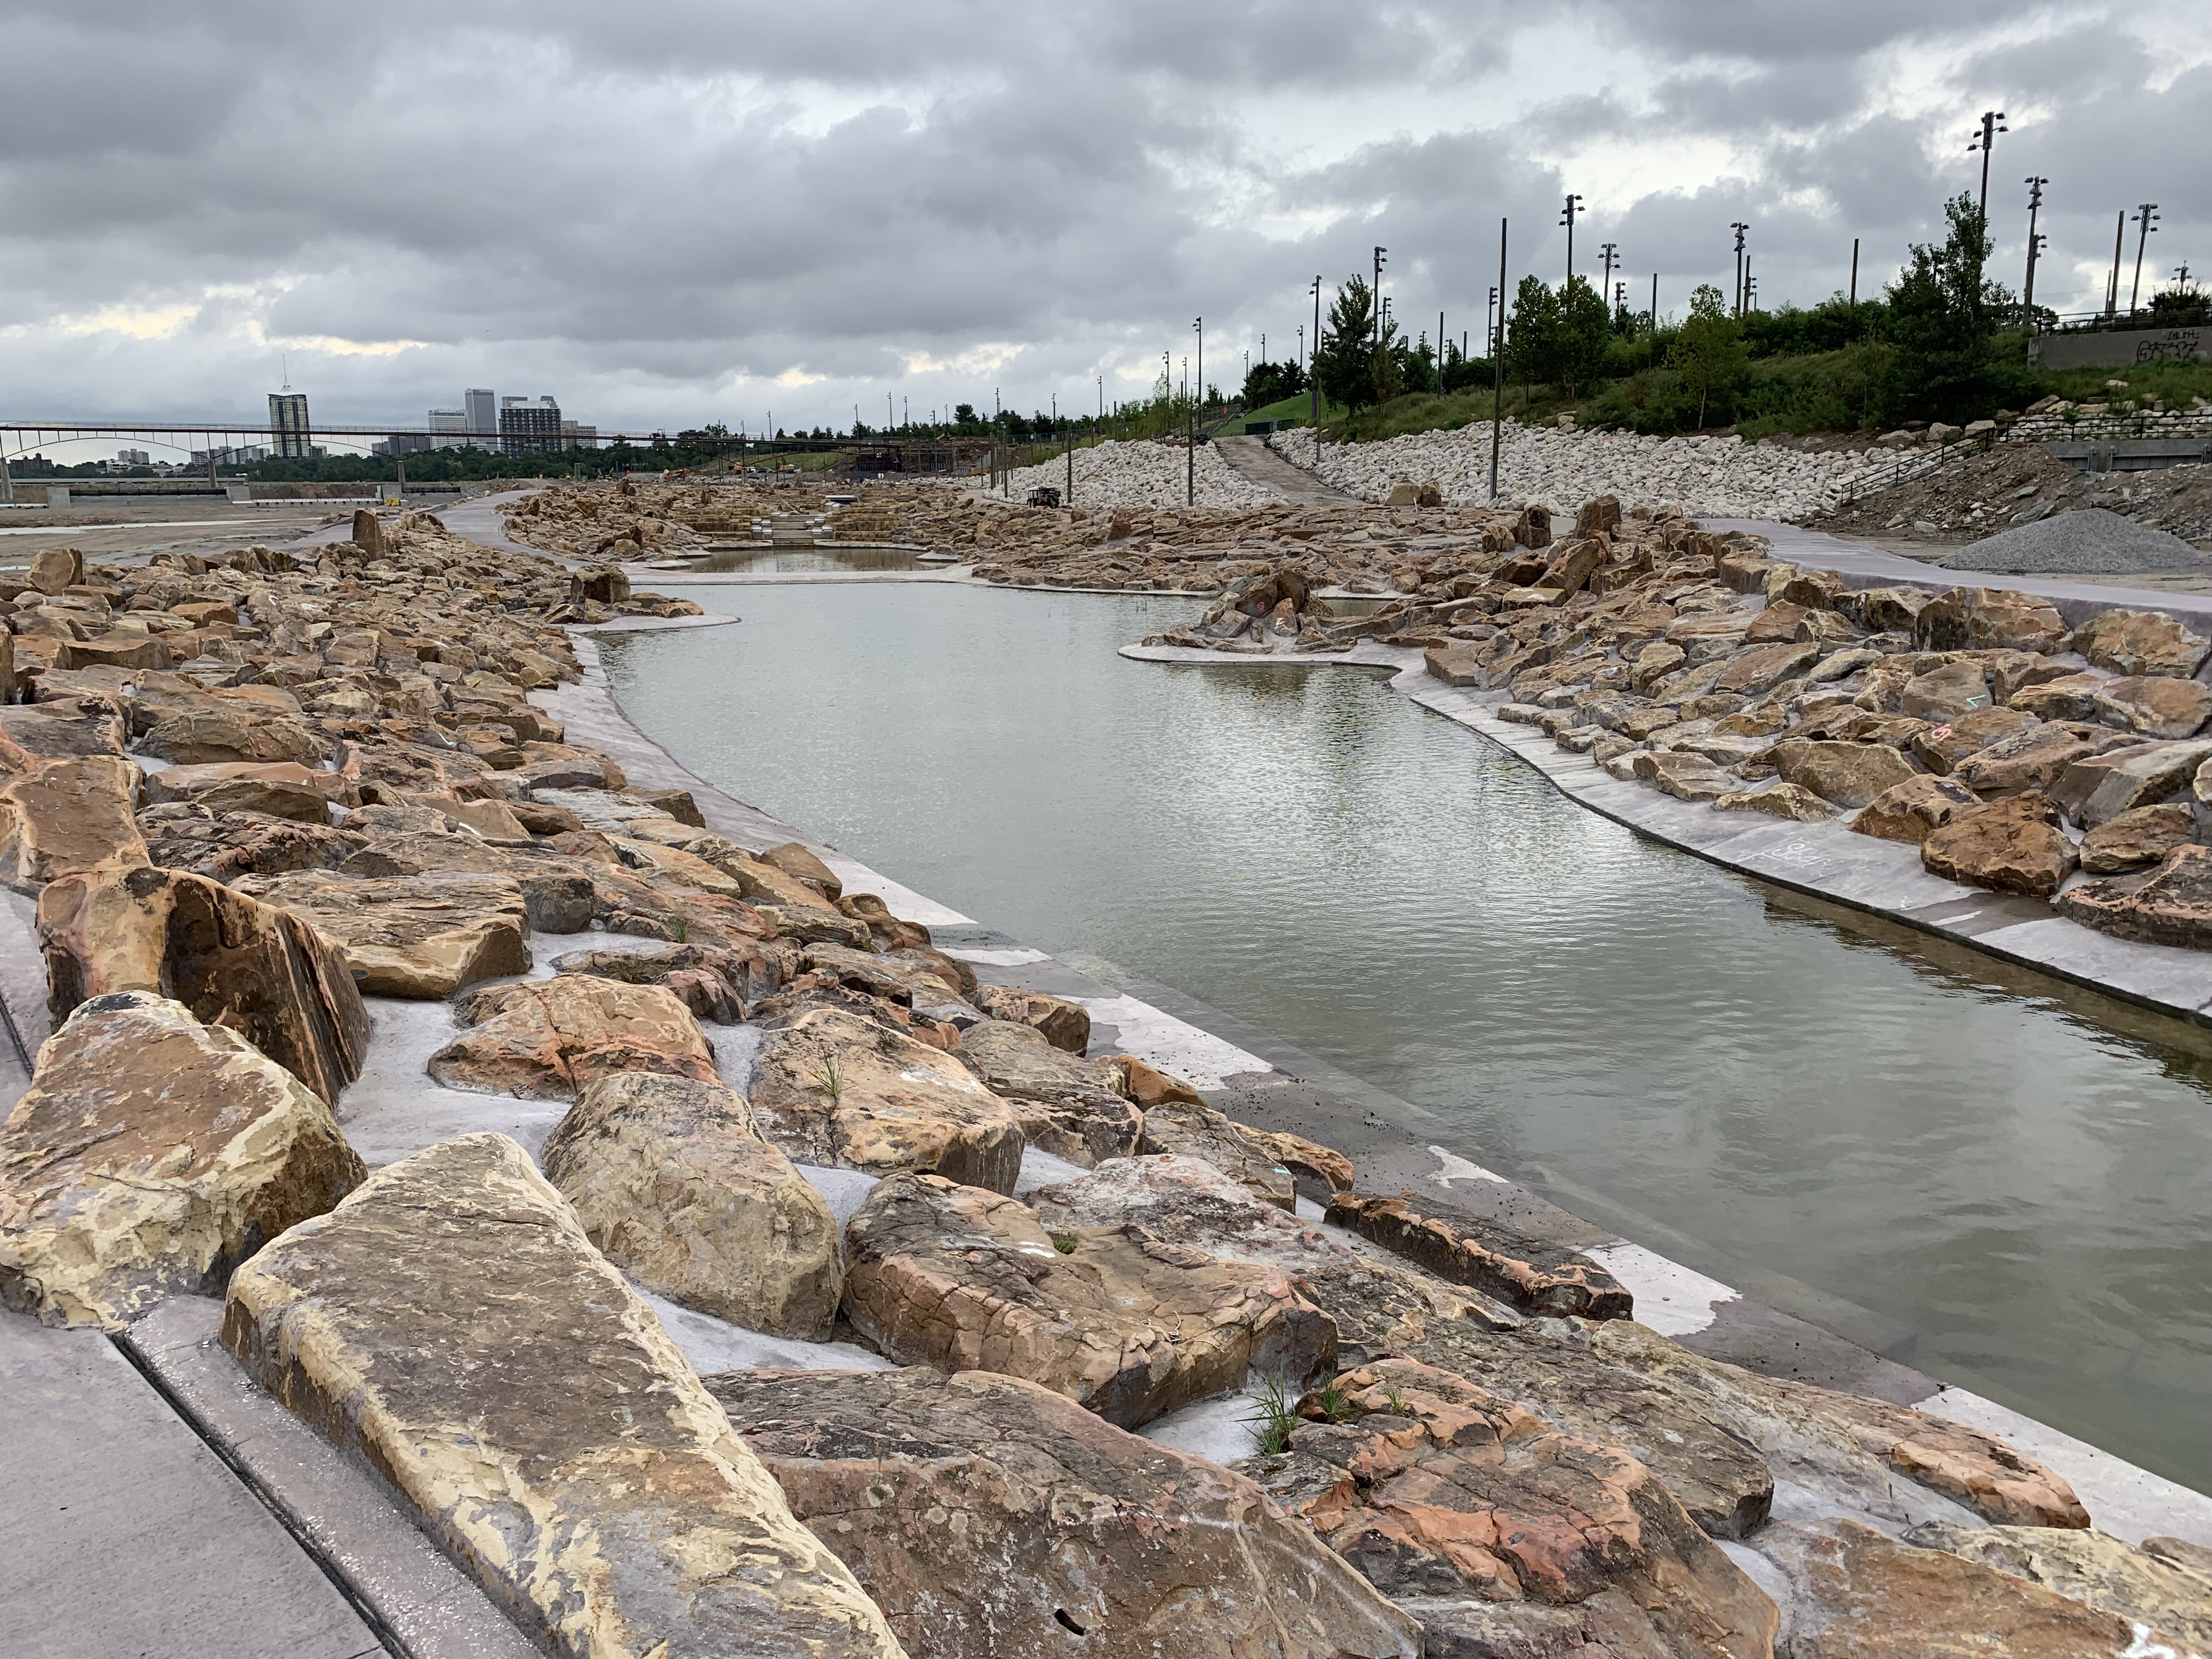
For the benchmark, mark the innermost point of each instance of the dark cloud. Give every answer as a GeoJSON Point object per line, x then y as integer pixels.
{"type": "Point", "coordinates": [689, 210]}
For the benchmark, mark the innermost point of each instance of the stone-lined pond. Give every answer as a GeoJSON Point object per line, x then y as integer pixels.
{"type": "Point", "coordinates": [2014, 1173]}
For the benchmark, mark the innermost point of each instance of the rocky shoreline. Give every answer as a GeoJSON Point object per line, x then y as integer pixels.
{"type": "Point", "coordinates": [266, 803]}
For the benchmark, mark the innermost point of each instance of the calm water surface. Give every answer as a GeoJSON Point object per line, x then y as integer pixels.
{"type": "Point", "coordinates": [2014, 1173]}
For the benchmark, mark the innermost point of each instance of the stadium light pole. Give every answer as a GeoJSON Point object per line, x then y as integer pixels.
{"type": "Point", "coordinates": [1567, 218]}
{"type": "Point", "coordinates": [1607, 249]}
{"type": "Point", "coordinates": [1739, 228]}
{"type": "Point", "coordinates": [2035, 184]}
{"type": "Point", "coordinates": [1313, 369]}
{"type": "Point", "coordinates": [1993, 125]}
{"type": "Point", "coordinates": [2147, 219]}
{"type": "Point", "coordinates": [1497, 370]}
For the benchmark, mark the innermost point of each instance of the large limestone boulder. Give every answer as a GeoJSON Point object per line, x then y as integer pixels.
{"type": "Point", "coordinates": [61, 730]}
{"type": "Point", "coordinates": [1199, 1132]}
{"type": "Point", "coordinates": [409, 936]}
{"type": "Point", "coordinates": [1074, 1535]}
{"type": "Point", "coordinates": [2032, 757]}
{"type": "Point", "coordinates": [204, 736]}
{"type": "Point", "coordinates": [1957, 688]}
{"type": "Point", "coordinates": [1504, 1536]}
{"type": "Point", "coordinates": [451, 1326]}
{"type": "Point", "coordinates": [1683, 776]}
{"type": "Point", "coordinates": [1462, 1248]}
{"type": "Point", "coordinates": [1848, 773]}
{"type": "Point", "coordinates": [714, 981]}
{"type": "Point", "coordinates": [2156, 705]}
{"type": "Point", "coordinates": [2068, 697]}
{"type": "Point", "coordinates": [150, 1157]}
{"type": "Point", "coordinates": [1851, 1593]}
{"type": "Point", "coordinates": [1941, 747]}
{"type": "Point", "coordinates": [1069, 1106]}
{"type": "Point", "coordinates": [1915, 809]}
{"type": "Point", "coordinates": [670, 1181]}
{"type": "Point", "coordinates": [1126, 1324]}
{"type": "Point", "coordinates": [232, 960]}
{"type": "Point", "coordinates": [1749, 672]}
{"type": "Point", "coordinates": [2096, 788]}
{"type": "Point", "coordinates": [2142, 835]}
{"type": "Point", "coordinates": [67, 817]}
{"type": "Point", "coordinates": [283, 789]}
{"type": "Point", "coordinates": [56, 570]}
{"type": "Point", "coordinates": [1065, 1024]}
{"type": "Point", "coordinates": [550, 1039]}
{"type": "Point", "coordinates": [1989, 619]}
{"type": "Point", "coordinates": [2172, 907]}
{"type": "Point", "coordinates": [2093, 1568]}
{"type": "Point", "coordinates": [835, 1089]}
{"type": "Point", "coordinates": [2011, 846]}
{"type": "Point", "coordinates": [2142, 642]}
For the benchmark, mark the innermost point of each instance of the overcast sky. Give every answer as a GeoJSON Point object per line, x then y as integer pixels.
{"type": "Point", "coordinates": [667, 213]}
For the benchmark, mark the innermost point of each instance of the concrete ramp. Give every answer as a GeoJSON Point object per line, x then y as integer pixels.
{"type": "Point", "coordinates": [1255, 460]}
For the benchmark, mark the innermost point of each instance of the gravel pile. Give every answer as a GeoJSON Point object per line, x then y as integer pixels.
{"type": "Point", "coordinates": [1142, 474]}
{"type": "Point", "coordinates": [2089, 541]}
{"type": "Point", "coordinates": [1709, 477]}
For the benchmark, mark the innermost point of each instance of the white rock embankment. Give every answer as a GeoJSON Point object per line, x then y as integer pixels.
{"type": "Point", "coordinates": [1142, 474]}
{"type": "Point", "coordinates": [1708, 477]}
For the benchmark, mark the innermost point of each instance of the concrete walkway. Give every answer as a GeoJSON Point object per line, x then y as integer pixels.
{"type": "Point", "coordinates": [1251, 458]}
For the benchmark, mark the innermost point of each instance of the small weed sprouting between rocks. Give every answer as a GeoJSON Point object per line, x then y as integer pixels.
{"type": "Point", "coordinates": [1064, 1243]}
{"type": "Point", "coordinates": [1273, 1417]}
{"type": "Point", "coordinates": [1395, 1400]}
{"type": "Point", "coordinates": [827, 1080]}
{"type": "Point", "coordinates": [1334, 1404]}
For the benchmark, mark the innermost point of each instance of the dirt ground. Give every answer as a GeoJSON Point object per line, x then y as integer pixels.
{"type": "Point", "coordinates": [184, 525]}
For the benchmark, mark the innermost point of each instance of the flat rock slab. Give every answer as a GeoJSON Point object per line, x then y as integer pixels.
{"type": "Point", "coordinates": [1850, 1593]}
{"type": "Point", "coordinates": [1467, 1249]}
{"type": "Point", "coordinates": [122, 1534]}
{"type": "Point", "coordinates": [1059, 1534]}
{"type": "Point", "coordinates": [151, 1155]}
{"type": "Point", "coordinates": [833, 1088]}
{"type": "Point", "coordinates": [670, 1181]}
{"type": "Point", "coordinates": [2098, 1571]}
{"type": "Point", "coordinates": [409, 936]}
{"type": "Point", "coordinates": [1200, 1132]}
{"type": "Point", "coordinates": [68, 816]}
{"type": "Point", "coordinates": [1068, 1105]}
{"type": "Point", "coordinates": [549, 1039]}
{"type": "Point", "coordinates": [451, 1324]}
{"type": "Point", "coordinates": [1503, 1536]}
{"type": "Point", "coordinates": [1125, 1323]}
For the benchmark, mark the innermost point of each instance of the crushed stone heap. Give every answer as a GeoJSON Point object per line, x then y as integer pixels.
{"type": "Point", "coordinates": [2092, 541]}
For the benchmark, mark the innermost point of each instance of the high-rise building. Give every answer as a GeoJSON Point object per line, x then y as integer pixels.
{"type": "Point", "coordinates": [575, 436]}
{"type": "Point", "coordinates": [483, 411]}
{"type": "Point", "coordinates": [133, 458]}
{"type": "Point", "coordinates": [449, 420]}
{"type": "Point", "coordinates": [529, 426]}
{"type": "Point", "coordinates": [288, 417]}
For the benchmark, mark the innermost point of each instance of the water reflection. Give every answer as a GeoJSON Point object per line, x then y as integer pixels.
{"type": "Point", "coordinates": [2012, 1171]}
{"type": "Point", "coordinates": [796, 561]}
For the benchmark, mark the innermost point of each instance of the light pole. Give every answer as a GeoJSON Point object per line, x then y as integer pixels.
{"type": "Point", "coordinates": [1739, 228]}
{"type": "Point", "coordinates": [1567, 218]}
{"type": "Point", "coordinates": [1381, 255]}
{"type": "Point", "coordinates": [2034, 246]}
{"type": "Point", "coordinates": [1993, 125]}
{"type": "Point", "coordinates": [1854, 277]}
{"type": "Point", "coordinates": [1498, 370]}
{"type": "Point", "coordinates": [1198, 390]}
{"type": "Point", "coordinates": [1313, 372]}
{"type": "Point", "coordinates": [1608, 249]}
{"type": "Point", "coordinates": [2112, 288]}
{"type": "Point", "coordinates": [1489, 317]}
{"type": "Point", "coordinates": [2147, 218]}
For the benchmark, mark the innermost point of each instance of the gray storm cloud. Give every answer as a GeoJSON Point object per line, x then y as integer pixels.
{"type": "Point", "coordinates": [692, 212]}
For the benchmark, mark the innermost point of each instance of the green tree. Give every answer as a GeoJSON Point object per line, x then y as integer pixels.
{"type": "Point", "coordinates": [1583, 326]}
{"type": "Point", "coordinates": [1532, 335]}
{"type": "Point", "coordinates": [1942, 318]}
{"type": "Point", "coordinates": [1708, 354]}
{"type": "Point", "coordinates": [1347, 363]}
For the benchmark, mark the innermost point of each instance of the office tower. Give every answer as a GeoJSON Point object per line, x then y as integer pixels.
{"type": "Point", "coordinates": [288, 418]}
{"type": "Point", "coordinates": [529, 426]}
{"type": "Point", "coordinates": [483, 411]}
{"type": "Point", "coordinates": [448, 420]}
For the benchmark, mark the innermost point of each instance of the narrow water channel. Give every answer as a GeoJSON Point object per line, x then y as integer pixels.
{"type": "Point", "coordinates": [2016, 1174]}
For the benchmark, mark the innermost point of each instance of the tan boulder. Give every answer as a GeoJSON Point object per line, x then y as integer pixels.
{"type": "Point", "coordinates": [56, 570]}
{"type": "Point", "coordinates": [2173, 907]}
{"type": "Point", "coordinates": [1324, 1169]}
{"type": "Point", "coordinates": [1462, 1248]}
{"type": "Point", "coordinates": [117, 650]}
{"type": "Point", "coordinates": [232, 960]}
{"type": "Point", "coordinates": [1199, 1132]}
{"type": "Point", "coordinates": [1458, 664]}
{"type": "Point", "coordinates": [1503, 1536]}
{"type": "Point", "coordinates": [1888, 610]}
{"type": "Point", "coordinates": [771, 884]}
{"type": "Point", "coordinates": [2093, 1568]}
{"type": "Point", "coordinates": [797, 860]}
{"type": "Point", "coordinates": [1573, 564]}
{"type": "Point", "coordinates": [67, 817]}
{"type": "Point", "coordinates": [1788, 801]}
{"type": "Point", "coordinates": [1075, 1535]}
{"type": "Point", "coordinates": [1653, 664]}
{"type": "Point", "coordinates": [2096, 788]}
{"type": "Point", "coordinates": [150, 1155]}
{"type": "Point", "coordinates": [1126, 1324]}
{"type": "Point", "coordinates": [1848, 773]}
{"type": "Point", "coordinates": [2141, 835]}
{"type": "Point", "coordinates": [1941, 747]}
{"type": "Point", "coordinates": [551, 1039]}
{"type": "Point", "coordinates": [2011, 846]}
{"type": "Point", "coordinates": [1065, 1024]}
{"type": "Point", "coordinates": [2137, 642]}
{"type": "Point", "coordinates": [1914, 810]}
{"type": "Point", "coordinates": [1777, 623]}
{"type": "Point", "coordinates": [1855, 1594]}
{"type": "Point", "coordinates": [1989, 619]}
{"type": "Point", "coordinates": [2034, 757]}
{"type": "Point", "coordinates": [833, 1088]}
{"type": "Point", "coordinates": [1067, 1105]}
{"type": "Point", "coordinates": [1749, 672]}
{"type": "Point", "coordinates": [2156, 705]}
{"type": "Point", "coordinates": [1956, 688]}
{"type": "Point", "coordinates": [200, 736]}
{"type": "Point", "coordinates": [2068, 698]}
{"type": "Point", "coordinates": [1685, 776]}
{"type": "Point", "coordinates": [409, 936]}
{"type": "Point", "coordinates": [451, 1327]}
{"type": "Point", "coordinates": [898, 978]}
{"type": "Point", "coordinates": [32, 733]}
{"type": "Point", "coordinates": [672, 1182]}
{"type": "Point", "coordinates": [714, 981]}
{"type": "Point", "coordinates": [283, 789]}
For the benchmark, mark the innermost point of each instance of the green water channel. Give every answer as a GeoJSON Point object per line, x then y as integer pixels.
{"type": "Point", "coordinates": [2013, 1172]}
